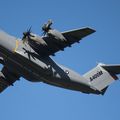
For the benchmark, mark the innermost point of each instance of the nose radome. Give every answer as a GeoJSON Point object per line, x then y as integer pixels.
{"type": "Point", "coordinates": [7, 41]}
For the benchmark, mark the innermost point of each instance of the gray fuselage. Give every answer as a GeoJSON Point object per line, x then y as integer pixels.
{"type": "Point", "coordinates": [22, 59]}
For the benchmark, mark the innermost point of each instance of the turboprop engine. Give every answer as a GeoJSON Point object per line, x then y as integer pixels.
{"type": "Point", "coordinates": [29, 36]}
{"type": "Point", "coordinates": [47, 30]}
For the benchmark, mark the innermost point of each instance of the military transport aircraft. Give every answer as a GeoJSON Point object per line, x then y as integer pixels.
{"type": "Point", "coordinates": [30, 58]}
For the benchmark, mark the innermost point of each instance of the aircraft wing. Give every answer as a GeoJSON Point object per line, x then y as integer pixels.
{"type": "Point", "coordinates": [76, 35]}
{"type": "Point", "coordinates": [7, 78]}
{"type": "Point", "coordinates": [72, 37]}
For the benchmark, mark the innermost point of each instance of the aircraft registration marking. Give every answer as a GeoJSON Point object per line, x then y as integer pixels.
{"type": "Point", "coordinates": [98, 74]}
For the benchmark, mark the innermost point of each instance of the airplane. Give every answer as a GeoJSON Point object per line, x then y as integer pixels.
{"type": "Point", "coordinates": [30, 58]}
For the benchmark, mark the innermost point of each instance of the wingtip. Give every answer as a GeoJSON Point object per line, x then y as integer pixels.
{"type": "Point", "coordinates": [91, 30]}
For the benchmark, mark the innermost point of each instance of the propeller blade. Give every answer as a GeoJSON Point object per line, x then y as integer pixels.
{"type": "Point", "coordinates": [26, 35]}
{"type": "Point", "coordinates": [29, 30]}
{"type": "Point", "coordinates": [46, 27]}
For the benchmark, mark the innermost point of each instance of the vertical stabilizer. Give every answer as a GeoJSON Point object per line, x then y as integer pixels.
{"type": "Point", "coordinates": [102, 76]}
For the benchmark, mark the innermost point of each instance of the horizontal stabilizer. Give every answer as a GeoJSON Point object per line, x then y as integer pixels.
{"type": "Point", "coordinates": [115, 69]}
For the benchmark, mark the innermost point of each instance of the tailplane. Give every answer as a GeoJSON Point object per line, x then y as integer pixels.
{"type": "Point", "coordinates": [102, 76]}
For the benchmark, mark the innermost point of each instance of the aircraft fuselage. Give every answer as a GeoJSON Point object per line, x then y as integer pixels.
{"type": "Point", "coordinates": [22, 59]}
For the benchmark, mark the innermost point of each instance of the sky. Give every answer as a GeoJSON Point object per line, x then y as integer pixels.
{"type": "Point", "coordinates": [28, 101]}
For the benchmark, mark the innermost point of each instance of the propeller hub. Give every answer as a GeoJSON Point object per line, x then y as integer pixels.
{"type": "Point", "coordinates": [47, 26]}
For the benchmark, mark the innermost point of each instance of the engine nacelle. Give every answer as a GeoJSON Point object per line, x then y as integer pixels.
{"type": "Point", "coordinates": [37, 39]}
{"type": "Point", "coordinates": [3, 81]}
{"type": "Point", "coordinates": [1, 60]}
{"type": "Point", "coordinates": [57, 35]}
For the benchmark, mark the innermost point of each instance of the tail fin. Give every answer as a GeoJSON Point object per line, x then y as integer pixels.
{"type": "Point", "coordinates": [102, 76]}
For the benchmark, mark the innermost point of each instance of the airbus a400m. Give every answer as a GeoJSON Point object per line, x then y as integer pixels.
{"type": "Point", "coordinates": [29, 57]}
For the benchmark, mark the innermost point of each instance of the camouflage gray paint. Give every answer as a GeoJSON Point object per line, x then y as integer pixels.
{"type": "Point", "coordinates": [22, 59]}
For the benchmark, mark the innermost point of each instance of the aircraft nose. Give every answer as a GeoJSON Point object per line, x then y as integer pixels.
{"type": "Point", "coordinates": [7, 42]}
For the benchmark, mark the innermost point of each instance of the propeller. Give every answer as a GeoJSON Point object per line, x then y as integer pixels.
{"type": "Point", "coordinates": [26, 35]}
{"type": "Point", "coordinates": [46, 27]}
